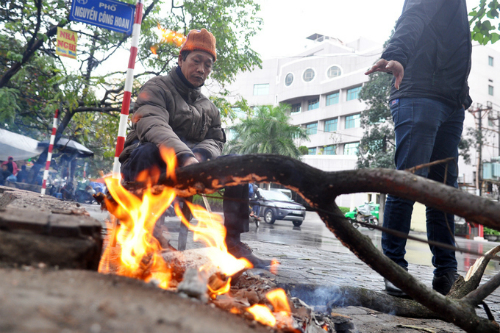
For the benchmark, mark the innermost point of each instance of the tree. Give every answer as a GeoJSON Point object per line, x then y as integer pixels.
{"type": "Point", "coordinates": [482, 17]}
{"type": "Point", "coordinates": [267, 131]}
{"type": "Point", "coordinates": [376, 148]}
{"type": "Point", "coordinates": [35, 81]}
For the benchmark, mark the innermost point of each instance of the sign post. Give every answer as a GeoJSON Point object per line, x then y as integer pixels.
{"type": "Point", "coordinates": [109, 14]}
{"type": "Point", "coordinates": [127, 94]}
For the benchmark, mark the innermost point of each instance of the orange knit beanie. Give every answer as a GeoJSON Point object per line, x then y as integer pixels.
{"type": "Point", "coordinates": [201, 40]}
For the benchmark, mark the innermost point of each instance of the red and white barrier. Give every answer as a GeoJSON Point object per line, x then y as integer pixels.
{"type": "Point", "coordinates": [49, 155]}
{"type": "Point", "coordinates": [120, 142]}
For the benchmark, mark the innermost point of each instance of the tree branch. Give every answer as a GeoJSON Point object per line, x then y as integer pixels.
{"type": "Point", "coordinates": [320, 189]}
{"type": "Point", "coordinates": [28, 53]}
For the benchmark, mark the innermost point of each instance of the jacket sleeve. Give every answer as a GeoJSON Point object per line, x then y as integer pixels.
{"type": "Point", "coordinates": [417, 14]}
{"type": "Point", "coordinates": [151, 118]}
{"type": "Point", "coordinates": [211, 146]}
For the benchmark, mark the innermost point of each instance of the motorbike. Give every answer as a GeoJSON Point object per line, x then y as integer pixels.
{"type": "Point", "coordinates": [367, 214]}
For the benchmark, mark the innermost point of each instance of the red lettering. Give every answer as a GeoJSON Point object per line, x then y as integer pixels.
{"type": "Point", "coordinates": [72, 47]}
{"type": "Point", "coordinates": [66, 45]}
{"type": "Point", "coordinates": [60, 43]}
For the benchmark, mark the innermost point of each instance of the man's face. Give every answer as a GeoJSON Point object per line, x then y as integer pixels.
{"type": "Point", "coordinates": [196, 67]}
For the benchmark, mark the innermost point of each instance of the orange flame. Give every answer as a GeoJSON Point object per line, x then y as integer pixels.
{"type": "Point", "coordinates": [171, 37]}
{"type": "Point", "coordinates": [281, 316]}
{"type": "Point", "coordinates": [262, 314]}
{"type": "Point", "coordinates": [274, 266]}
{"type": "Point", "coordinates": [211, 231]}
{"type": "Point", "coordinates": [278, 300]}
{"type": "Point", "coordinates": [133, 251]}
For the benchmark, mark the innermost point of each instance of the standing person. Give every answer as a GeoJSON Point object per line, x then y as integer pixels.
{"type": "Point", "coordinates": [170, 111]}
{"type": "Point", "coordinates": [11, 165]}
{"type": "Point", "coordinates": [429, 56]}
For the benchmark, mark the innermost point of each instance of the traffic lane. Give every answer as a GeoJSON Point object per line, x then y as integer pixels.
{"type": "Point", "coordinates": [314, 233]}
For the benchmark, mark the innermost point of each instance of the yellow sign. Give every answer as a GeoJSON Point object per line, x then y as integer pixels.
{"type": "Point", "coordinates": [66, 43]}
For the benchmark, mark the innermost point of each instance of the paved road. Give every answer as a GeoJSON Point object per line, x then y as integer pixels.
{"type": "Point", "coordinates": [312, 254]}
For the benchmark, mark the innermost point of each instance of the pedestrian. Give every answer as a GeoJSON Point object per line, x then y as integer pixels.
{"type": "Point", "coordinates": [170, 111]}
{"type": "Point", "coordinates": [22, 176]}
{"type": "Point", "coordinates": [4, 174]}
{"type": "Point", "coordinates": [11, 165]}
{"type": "Point", "coordinates": [429, 56]}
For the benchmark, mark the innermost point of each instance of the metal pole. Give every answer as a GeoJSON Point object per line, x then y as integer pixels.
{"type": "Point", "coordinates": [122, 129]}
{"type": "Point", "coordinates": [49, 155]}
{"type": "Point", "coordinates": [480, 155]}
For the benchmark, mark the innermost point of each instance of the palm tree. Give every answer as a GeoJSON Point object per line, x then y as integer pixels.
{"type": "Point", "coordinates": [267, 131]}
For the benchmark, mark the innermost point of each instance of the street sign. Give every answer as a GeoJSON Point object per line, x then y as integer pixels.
{"type": "Point", "coordinates": [109, 14]}
{"type": "Point", "coordinates": [66, 43]}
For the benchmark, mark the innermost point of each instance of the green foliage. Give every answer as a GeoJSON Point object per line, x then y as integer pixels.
{"type": "Point", "coordinates": [489, 231]}
{"type": "Point", "coordinates": [8, 104]}
{"type": "Point", "coordinates": [344, 209]}
{"type": "Point", "coordinates": [483, 22]}
{"type": "Point", "coordinates": [303, 150]}
{"type": "Point", "coordinates": [88, 95]}
{"type": "Point", "coordinates": [376, 148]}
{"type": "Point", "coordinates": [214, 200]}
{"type": "Point", "coordinates": [268, 131]}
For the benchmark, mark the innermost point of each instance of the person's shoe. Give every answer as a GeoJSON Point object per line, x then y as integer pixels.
{"type": "Point", "coordinates": [393, 290]}
{"type": "Point", "coordinates": [442, 284]}
{"type": "Point", "coordinates": [242, 250]}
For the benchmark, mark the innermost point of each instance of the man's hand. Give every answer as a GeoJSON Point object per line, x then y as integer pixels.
{"type": "Point", "coordinates": [389, 66]}
{"type": "Point", "coordinates": [189, 161]}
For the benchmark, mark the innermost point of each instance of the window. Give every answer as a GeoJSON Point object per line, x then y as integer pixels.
{"type": "Point", "coordinates": [331, 125]}
{"type": "Point", "coordinates": [311, 151]}
{"type": "Point", "coordinates": [490, 122]}
{"type": "Point", "coordinates": [490, 61]}
{"type": "Point", "coordinates": [296, 108]}
{"type": "Point", "coordinates": [239, 114]}
{"type": "Point", "coordinates": [312, 128]}
{"type": "Point", "coordinates": [353, 93]}
{"type": "Point", "coordinates": [330, 150]}
{"type": "Point", "coordinates": [261, 89]}
{"type": "Point", "coordinates": [333, 71]}
{"type": "Point", "coordinates": [313, 104]}
{"type": "Point", "coordinates": [288, 79]}
{"type": "Point", "coordinates": [308, 75]}
{"type": "Point", "coordinates": [352, 121]}
{"type": "Point", "coordinates": [490, 90]}
{"type": "Point", "coordinates": [351, 148]}
{"type": "Point", "coordinates": [332, 98]}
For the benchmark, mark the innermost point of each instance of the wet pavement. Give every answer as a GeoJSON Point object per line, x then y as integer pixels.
{"type": "Point", "coordinates": [311, 254]}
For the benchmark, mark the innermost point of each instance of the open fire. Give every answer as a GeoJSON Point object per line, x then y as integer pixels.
{"type": "Point", "coordinates": [168, 37]}
{"type": "Point", "coordinates": [133, 251]}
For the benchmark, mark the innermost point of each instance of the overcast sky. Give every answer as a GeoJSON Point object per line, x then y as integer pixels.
{"type": "Point", "coordinates": [287, 23]}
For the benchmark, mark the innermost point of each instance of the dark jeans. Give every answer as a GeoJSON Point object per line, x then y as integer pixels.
{"type": "Point", "coordinates": [426, 130]}
{"type": "Point", "coordinates": [235, 204]}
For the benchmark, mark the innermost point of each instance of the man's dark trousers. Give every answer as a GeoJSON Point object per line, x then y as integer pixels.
{"type": "Point", "coordinates": [235, 204]}
{"type": "Point", "coordinates": [426, 130]}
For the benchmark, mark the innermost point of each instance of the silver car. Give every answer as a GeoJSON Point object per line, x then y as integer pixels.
{"type": "Point", "coordinates": [275, 205]}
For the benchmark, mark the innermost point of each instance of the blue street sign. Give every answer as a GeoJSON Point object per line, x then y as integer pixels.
{"type": "Point", "coordinates": [109, 14]}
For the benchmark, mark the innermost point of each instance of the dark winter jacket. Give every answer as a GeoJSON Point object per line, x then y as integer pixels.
{"type": "Point", "coordinates": [169, 111]}
{"type": "Point", "coordinates": [432, 41]}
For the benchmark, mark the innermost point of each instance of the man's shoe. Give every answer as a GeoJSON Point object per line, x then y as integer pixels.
{"type": "Point", "coordinates": [442, 284]}
{"type": "Point", "coordinates": [242, 250]}
{"type": "Point", "coordinates": [393, 290]}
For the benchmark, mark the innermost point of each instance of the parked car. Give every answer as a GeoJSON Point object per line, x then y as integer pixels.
{"type": "Point", "coordinates": [275, 205]}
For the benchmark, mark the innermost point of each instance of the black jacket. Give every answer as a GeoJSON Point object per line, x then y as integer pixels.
{"type": "Point", "coordinates": [433, 43]}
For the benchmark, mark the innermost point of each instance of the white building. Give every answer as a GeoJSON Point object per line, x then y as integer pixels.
{"type": "Point", "coordinates": [322, 85]}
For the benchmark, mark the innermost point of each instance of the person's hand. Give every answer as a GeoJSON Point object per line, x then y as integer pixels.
{"type": "Point", "coordinates": [189, 161]}
{"type": "Point", "coordinates": [389, 66]}
{"type": "Point", "coordinates": [199, 157]}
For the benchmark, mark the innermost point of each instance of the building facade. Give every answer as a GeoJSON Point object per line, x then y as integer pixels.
{"type": "Point", "coordinates": [322, 85]}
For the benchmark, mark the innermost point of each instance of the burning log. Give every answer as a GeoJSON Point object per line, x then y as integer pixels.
{"type": "Point", "coordinates": [320, 189]}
